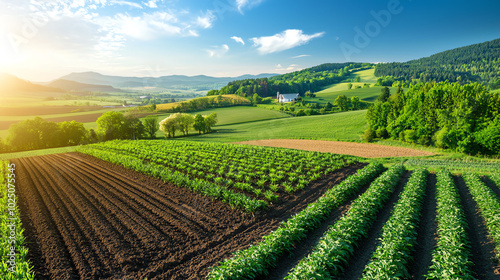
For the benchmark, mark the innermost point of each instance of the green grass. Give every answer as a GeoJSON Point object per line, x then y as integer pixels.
{"type": "Point", "coordinates": [235, 115]}
{"type": "Point", "coordinates": [347, 126]}
{"type": "Point", "coordinates": [366, 94]}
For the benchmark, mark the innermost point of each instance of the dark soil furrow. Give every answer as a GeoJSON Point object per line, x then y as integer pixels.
{"type": "Point", "coordinates": [54, 261]}
{"type": "Point", "coordinates": [491, 185]}
{"type": "Point", "coordinates": [84, 227]}
{"type": "Point", "coordinates": [148, 199]}
{"type": "Point", "coordinates": [111, 198]}
{"type": "Point", "coordinates": [367, 246]}
{"type": "Point", "coordinates": [427, 233]}
{"type": "Point", "coordinates": [482, 248]}
{"type": "Point", "coordinates": [147, 226]}
{"type": "Point", "coordinates": [63, 222]}
{"type": "Point", "coordinates": [115, 241]}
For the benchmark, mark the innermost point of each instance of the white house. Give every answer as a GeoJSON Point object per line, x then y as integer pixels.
{"type": "Point", "coordinates": [289, 97]}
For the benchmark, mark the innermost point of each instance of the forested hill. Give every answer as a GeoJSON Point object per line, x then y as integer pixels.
{"type": "Point", "coordinates": [474, 63]}
{"type": "Point", "coordinates": [311, 79]}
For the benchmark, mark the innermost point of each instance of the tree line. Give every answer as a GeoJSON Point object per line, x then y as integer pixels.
{"type": "Point", "coordinates": [183, 122]}
{"type": "Point", "coordinates": [464, 118]}
{"type": "Point", "coordinates": [37, 133]}
{"type": "Point", "coordinates": [203, 103]}
{"type": "Point", "coordinates": [476, 63]}
{"type": "Point", "coordinates": [311, 79]}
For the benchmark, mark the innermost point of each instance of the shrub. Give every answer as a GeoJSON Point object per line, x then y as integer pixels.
{"type": "Point", "coordinates": [381, 132]}
{"type": "Point", "coordinates": [369, 135]}
{"type": "Point", "coordinates": [410, 135]}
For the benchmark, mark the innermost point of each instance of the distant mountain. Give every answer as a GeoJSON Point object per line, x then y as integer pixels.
{"type": "Point", "coordinates": [76, 86]}
{"type": "Point", "coordinates": [13, 84]}
{"type": "Point", "coordinates": [474, 63]}
{"type": "Point", "coordinates": [172, 81]}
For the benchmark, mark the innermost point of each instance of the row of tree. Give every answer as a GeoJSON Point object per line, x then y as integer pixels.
{"type": "Point", "coordinates": [38, 133]}
{"type": "Point", "coordinates": [475, 63]}
{"type": "Point", "coordinates": [465, 118]}
{"type": "Point", "coordinates": [311, 79]}
{"type": "Point", "coordinates": [183, 122]}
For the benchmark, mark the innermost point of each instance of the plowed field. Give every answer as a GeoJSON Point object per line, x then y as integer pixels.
{"type": "Point", "coordinates": [88, 219]}
{"type": "Point", "coordinates": [344, 148]}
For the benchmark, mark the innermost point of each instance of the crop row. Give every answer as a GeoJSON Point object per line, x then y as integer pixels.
{"type": "Point", "coordinates": [257, 260]}
{"type": "Point", "coordinates": [179, 179]}
{"type": "Point", "coordinates": [489, 206]}
{"type": "Point", "coordinates": [399, 234]}
{"type": "Point", "coordinates": [15, 264]}
{"type": "Point", "coordinates": [331, 255]}
{"type": "Point", "coordinates": [260, 171]}
{"type": "Point", "coordinates": [451, 258]}
{"type": "Point", "coordinates": [462, 165]}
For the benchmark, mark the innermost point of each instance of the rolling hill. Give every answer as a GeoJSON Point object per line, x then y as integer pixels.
{"type": "Point", "coordinates": [13, 84]}
{"type": "Point", "coordinates": [172, 81]}
{"type": "Point", "coordinates": [474, 63]}
{"type": "Point", "coordinates": [76, 86]}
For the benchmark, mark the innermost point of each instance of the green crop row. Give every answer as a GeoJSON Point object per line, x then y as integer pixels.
{"type": "Point", "coordinates": [495, 177]}
{"type": "Point", "coordinates": [15, 264]}
{"type": "Point", "coordinates": [463, 165]}
{"type": "Point", "coordinates": [399, 235]}
{"type": "Point", "coordinates": [489, 206]}
{"type": "Point", "coordinates": [179, 179]}
{"type": "Point", "coordinates": [451, 257]}
{"type": "Point", "coordinates": [331, 255]}
{"type": "Point", "coordinates": [256, 170]}
{"type": "Point", "coordinates": [256, 260]}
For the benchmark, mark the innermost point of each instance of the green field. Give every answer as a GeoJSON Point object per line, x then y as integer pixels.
{"type": "Point", "coordinates": [365, 94]}
{"type": "Point", "coordinates": [235, 115]}
{"type": "Point", "coordinates": [347, 126]}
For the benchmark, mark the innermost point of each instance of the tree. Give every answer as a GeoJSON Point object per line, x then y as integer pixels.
{"type": "Point", "coordinates": [342, 102]}
{"type": "Point", "coordinates": [349, 86]}
{"type": "Point", "coordinates": [199, 123]}
{"type": "Point", "coordinates": [169, 125]}
{"type": "Point", "coordinates": [210, 121]}
{"type": "Point", "coordinates": [185, 121]}
{"type": "Point", "coordinates": [3, 147]}
{"type": "Point", "coordinates": [384, 95]}
{"type": "Point", "coordinates": [256, 99]}
{"type": "Point", "coordinates": [72, 133]}
{"type": "Point", "coordinates": [328, 106]}
{"type": "Point", "coordinates": [151, 126]}
{"type": "Point", "coordinates": [113, 125]}
{"type": "Point", "coordinates": [355, 102]}
{"type": "Point", "coordinates": [34, 134]}
{"type": "Point", "coordinates": [134, 127]}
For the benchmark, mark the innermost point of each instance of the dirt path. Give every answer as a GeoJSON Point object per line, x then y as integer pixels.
{"type": "Point", "coordinates": [89, 219]}
{"type": "Point", "coordinates": [346, 148]}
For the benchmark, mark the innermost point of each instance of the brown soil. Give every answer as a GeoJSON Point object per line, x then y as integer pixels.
{"type": "Point", "coordinates": [347, 148]}
{"type": "Point", "coordinates": [89, 219]}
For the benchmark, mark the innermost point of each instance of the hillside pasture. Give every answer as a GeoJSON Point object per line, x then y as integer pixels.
{"type": "Point", "coordinates": [339, 126]}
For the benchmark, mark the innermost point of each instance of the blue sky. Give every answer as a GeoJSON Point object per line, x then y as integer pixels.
{"type": "Point", "coordinates": [43, 40]}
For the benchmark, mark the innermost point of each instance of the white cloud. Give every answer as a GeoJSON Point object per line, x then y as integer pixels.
{"type": "Point", "coordinates": [283, 41]}
{"type": "Point", "coordinates": [218, 51]}
{"type": "Point", "coordinates": [151, 4]}
{"type": "Point", "coordinates": [238, 40]}
{"type": "Point", "coordinates": [127, 3]}
{"type": "Point", "coordinates": [302, 55]}
{"type": "Point", "coordinates": [206, 20]}
{"type": "Point", "coordinates": [240, 4]}
{"type": "Point", "coordinates": [290, 68]}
